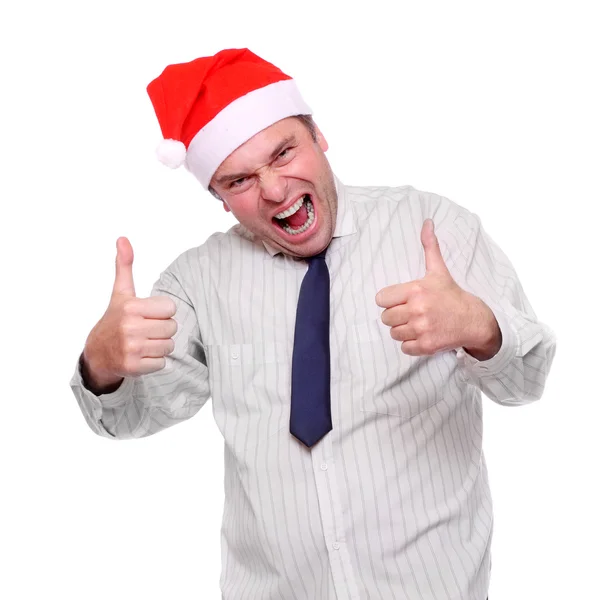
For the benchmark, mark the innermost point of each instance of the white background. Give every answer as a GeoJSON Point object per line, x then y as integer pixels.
{"type": "Point", "coordinates": [493, 105]}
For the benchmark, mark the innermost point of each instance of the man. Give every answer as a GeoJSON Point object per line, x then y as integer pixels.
{"type": "Point", "coordinates": [344, 334]}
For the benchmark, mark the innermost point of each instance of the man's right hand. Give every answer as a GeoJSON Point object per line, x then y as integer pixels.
{"type": "Point", "coordinates": [134, 334]}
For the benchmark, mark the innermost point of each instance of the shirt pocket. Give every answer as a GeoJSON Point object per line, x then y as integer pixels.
{"type": "Point", "coordinates": [250, 386]}
{"type": "Point", "coordinates": [391, 382]}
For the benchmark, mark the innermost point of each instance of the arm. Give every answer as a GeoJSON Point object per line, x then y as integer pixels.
{"type": "Point", "coordinates": [521, 348]}
{"type": "Point", "coordinates": [143, 405]}
{"type": "Point", "coordinates": [92, 382]}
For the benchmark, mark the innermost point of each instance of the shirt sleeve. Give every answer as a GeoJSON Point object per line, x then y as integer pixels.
{"type": "Point", "coordinates": [147, 404]}
{"type": "Point", "coordinates": [517, 373]}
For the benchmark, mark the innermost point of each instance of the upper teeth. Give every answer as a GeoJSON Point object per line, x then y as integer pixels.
{"type": "Point", "coordinates": [291, 210]}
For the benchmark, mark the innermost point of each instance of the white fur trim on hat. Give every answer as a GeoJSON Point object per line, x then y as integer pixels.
{"type": "Point", "coordinates": [238, 122]}
{"type": "Point", "coordinates": [171, 153]}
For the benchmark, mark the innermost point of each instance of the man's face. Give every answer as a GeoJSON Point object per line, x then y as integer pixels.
{"type": "Point", "coordinates": [271, 172]}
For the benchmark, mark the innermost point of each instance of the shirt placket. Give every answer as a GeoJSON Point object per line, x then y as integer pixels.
{"type": "Point", "coordinates": [330, 507]}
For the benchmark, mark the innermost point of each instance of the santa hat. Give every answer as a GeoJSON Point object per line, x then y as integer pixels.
{"type": "Point", "coordinates": [210, 106]}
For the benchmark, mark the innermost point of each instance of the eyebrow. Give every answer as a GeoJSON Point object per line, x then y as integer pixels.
{"type": "Point", "coordinates": [291, 139]}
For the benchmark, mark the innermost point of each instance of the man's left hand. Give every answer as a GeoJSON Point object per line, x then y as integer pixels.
{"type": "Point", "coordinates": [435, 314]}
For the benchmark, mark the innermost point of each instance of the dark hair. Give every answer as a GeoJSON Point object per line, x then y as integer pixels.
{"type": "Point", "coordinates": [306, 120]}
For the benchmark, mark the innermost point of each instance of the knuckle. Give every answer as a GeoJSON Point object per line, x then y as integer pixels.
{"type": "Point", "coordinates": [127, 328]}
{"type": "Point", "coordinates": [428, 347]}
{"type": "Point", "coordinates": [418, 327]}
{"type": "Point", "coordinates": [421, 325]}
{"type": "Point", "coordinates": [129, 306]}
{"type": "Point", "coordinates": [128, 367]}
{"type": "Point", "coordinates": [420, 309]}
{"type": "Point", "coordinates": [417, 287]}
{"type": "Point", "coordinates": [131, 347]}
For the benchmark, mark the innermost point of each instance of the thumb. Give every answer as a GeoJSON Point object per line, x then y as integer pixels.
{"type": "Point", "coordinates": [124, 274]}
{"type": "Point", "coordinates": [434, 261]}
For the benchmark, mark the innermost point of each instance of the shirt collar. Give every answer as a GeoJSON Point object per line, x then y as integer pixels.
{"type": "Point", "coordinates": [344, 223]}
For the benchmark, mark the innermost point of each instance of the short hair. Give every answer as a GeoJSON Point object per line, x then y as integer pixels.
{"type": "Point", "coordinates": [306, 120]}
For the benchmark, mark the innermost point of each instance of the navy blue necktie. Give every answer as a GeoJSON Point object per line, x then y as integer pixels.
{"type": "Point", "coordinates": [310, 417]}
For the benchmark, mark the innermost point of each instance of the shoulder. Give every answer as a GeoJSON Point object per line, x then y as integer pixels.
{"type": "Point", "coordinates": [414, 202]}
{"type": "Point", "coordinates": [218, 250]}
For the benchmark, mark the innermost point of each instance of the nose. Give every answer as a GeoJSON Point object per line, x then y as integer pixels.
{"type": "Point", "coordinates": [273, 187]}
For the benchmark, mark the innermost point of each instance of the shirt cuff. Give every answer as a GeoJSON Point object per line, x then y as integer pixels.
{"type": "Point", "coordinates": [475, 369]}
{"type": "Point", "coordinates": [116, 398]}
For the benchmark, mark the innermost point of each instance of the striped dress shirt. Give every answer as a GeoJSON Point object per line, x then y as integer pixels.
{"type": "Point", "coordinates": [394, 502]}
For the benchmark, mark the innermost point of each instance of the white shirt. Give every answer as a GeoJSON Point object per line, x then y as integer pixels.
{"type": "Point", "coordinates": [394, 502]}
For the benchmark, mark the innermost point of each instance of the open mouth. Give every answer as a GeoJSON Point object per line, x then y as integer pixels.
{"type": "Point", "coordinates": [301, 220]}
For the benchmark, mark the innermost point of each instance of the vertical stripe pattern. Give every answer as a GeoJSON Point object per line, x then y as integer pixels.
{"type": "Point", "coordinates": [394, 502]}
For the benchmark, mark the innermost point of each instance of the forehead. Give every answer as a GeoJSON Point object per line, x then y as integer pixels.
{"type": "Point", "coordinates": [257, 150]}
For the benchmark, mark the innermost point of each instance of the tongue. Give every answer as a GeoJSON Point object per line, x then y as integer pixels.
{"type": "Point", "coordinates": [298, 218]}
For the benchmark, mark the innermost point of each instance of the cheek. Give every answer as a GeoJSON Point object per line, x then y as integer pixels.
{"type": "Point", "coordinates": [242, 207]}
{"type": "Point", "coordinates": [306, 167]}
{"type": "Point", "coordinates": [248, 215]}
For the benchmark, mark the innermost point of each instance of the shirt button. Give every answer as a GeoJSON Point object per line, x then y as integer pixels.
{"type": "Point", "coordinates": [234, 355]}
{"type": "Point", "coordinates": [324, 467]}
{"type": "Point", "coordinates": [336, 545]}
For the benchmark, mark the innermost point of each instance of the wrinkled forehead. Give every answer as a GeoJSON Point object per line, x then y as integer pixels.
{"type": "Point", "coordinates": [260, 149]}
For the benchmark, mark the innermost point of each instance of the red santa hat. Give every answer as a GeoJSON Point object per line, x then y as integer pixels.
{"type": "Point", "coordinates": [210, 106]}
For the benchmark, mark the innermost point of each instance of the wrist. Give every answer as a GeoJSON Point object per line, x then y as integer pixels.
{"type": "Point", "coordinates": [96, 381]}
{"type": "Point", "coordinates": [484, 337]}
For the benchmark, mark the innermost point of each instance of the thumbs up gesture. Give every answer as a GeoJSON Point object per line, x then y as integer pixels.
{"type": "Point", "coordinates": [134, 334]}
{"type": "Point", "coordinates": [434, 314]}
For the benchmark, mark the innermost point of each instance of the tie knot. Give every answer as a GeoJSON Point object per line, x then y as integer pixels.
{"type": "Point", "coordinates": [320, 255]}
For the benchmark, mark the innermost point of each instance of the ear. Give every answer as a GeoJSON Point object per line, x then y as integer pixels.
{"type": "Point", "coordinates": [321, 139]}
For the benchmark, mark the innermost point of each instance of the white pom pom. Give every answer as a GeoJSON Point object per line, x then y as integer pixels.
{"type": "Point", "coordinates": [171, 153]}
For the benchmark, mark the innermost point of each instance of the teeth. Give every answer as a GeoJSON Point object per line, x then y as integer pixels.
{"type": "Point", "coordinates": [291, 210]}
{"type": "Point", "coordinates": [309, 221]}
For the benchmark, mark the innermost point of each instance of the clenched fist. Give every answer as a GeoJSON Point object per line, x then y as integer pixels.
{"type": "Point", "coordinates": [134, 335]}
{"type": "Point", "coordinates": [435, 314]}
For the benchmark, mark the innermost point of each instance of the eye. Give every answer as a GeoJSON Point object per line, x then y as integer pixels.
{"type": "Point", "coordinates": [285, 155]}
{"type": "Point", "coordinates": [238, 182]}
